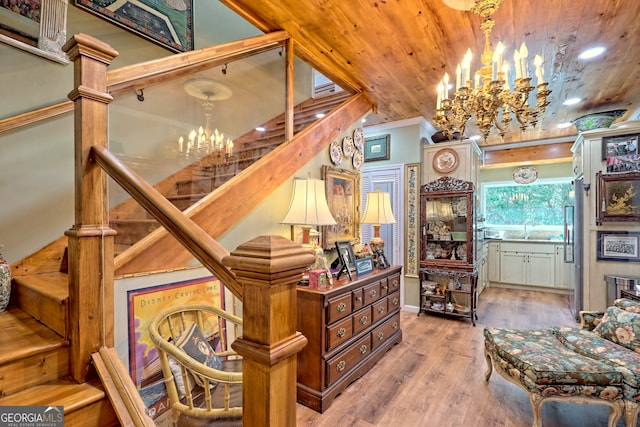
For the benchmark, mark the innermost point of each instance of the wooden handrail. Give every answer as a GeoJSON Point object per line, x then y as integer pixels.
{"type": "Point", "coordinates": [124, 397]}
{"type": "Point", "coordinates": [204, 247]}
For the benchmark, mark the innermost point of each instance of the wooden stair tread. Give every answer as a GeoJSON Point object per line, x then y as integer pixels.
{"type": "Point", "coordinates": [54, 285]}
{"type": "Point", "coordinates": [61, 392]}
{"type": "Point", "coordinates": [23, 336]}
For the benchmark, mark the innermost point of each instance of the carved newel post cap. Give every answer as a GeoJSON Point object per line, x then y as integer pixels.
{"type": "Point", "coordinates": [267, 256]}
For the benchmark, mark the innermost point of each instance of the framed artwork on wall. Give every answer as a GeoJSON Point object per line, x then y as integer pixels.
{"type": "Point", "coordinates": [621, 153]}
{"type": "Point", "coordinates": [618, 246]}
{"type": "Point", "coordinates": [377, 148]}
{"type": "Point", "coordinates": [167, 23]}
{"type": "Point", "coordinates": [618, 197]}
{"type": "Point", "coordinates": [412, 218]}
{"type": "Point", "coordinates": [343, 198]}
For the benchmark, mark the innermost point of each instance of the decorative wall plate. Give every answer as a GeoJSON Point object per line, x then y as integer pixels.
{"type": "Point", "coordinates": [358, 159]}
{"type": "Point", "coordinates": [347, 146]}
{"type": "Point", "coordinates": [358, 139]}
{"type": "Point", "coordinates": [445, 160]}
{"type": "Point", "coordinates": [335, 152]}
{"type": "Point", "coordinates": [525, 175]}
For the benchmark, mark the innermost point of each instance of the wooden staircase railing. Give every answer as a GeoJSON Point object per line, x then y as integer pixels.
{"type": "Point", "coordinates": [124, 397]}
{"type": "Point", "coordinates": [263, 272]}
{"type": "Point", "coordinates": [202, 246]}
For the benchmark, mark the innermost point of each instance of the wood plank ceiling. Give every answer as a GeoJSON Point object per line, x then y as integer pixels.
{"type": "Point", "coordinates": [398, 50]}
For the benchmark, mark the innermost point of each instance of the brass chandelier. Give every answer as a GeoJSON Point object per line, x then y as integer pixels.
{"type": "Point", "coordinates": [489, 96]}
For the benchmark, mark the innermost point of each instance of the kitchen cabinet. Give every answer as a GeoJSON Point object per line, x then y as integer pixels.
{"type": "Point", "coordinates": [493, 262]}
{"type": "Point", "coordinates": [528, 264]}
{"type": "Point", "coordinates": [561, 272]}
{"type": "Point", "coordinates": [483, 265]}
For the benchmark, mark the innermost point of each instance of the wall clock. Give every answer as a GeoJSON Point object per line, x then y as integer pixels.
{"type": "Point", "coordinates": [445, 160]}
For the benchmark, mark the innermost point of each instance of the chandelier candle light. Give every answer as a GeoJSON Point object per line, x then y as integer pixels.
{"type": "Point", "coordinates": [489, 96]}
{"type": "Point", "coordinates": [205, 140]}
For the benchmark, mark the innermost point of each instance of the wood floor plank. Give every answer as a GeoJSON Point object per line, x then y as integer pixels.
{"type": "Point", "coordinates": [435, 376]}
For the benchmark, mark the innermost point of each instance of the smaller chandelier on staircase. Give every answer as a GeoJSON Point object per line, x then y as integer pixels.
{"type": "Point", "coordinates": [489, 96]}
{"type": "Point", "coordinates": [205, 140]}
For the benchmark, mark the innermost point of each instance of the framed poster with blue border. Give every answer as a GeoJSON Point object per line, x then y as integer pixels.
{"type": "Point", "coordinates": [168, 23]}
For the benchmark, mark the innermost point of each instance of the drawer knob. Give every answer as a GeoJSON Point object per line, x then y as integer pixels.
{"type": "Point", "coordinates": [381, 309]}
{"type": "Point", "coordinates": [341, 307]}
{"type": "Point", "coordinates": [363, 349]}
{"type": "Point", "coordinates": [341, 332]}
{"type": "Point", "coordinates": [394, 325]}
{"type": "Point", "coordinates": [341, 365]}
{"type": "Point", "coordinates": [395, 301]}
{"type": "Point", "coordinates": [364, 320]}
{"type": "Point", "coordinates": [372, 293]}
{"type": "Point", "coordinates": [395, 283]}
{"type": "Point", "coordinates": [359, 299]}
{"type": "Point", "coordinates": [380, 336]}
{"type": "Point", "coordinates": [385, 287]}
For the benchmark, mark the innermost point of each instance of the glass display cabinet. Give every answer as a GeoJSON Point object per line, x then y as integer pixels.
{"type": "Point", "coordinates": [448, 272]}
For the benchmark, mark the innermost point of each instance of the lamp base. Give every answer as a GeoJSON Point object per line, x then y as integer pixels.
{"type": "Point", "coordinates": [376, 244]}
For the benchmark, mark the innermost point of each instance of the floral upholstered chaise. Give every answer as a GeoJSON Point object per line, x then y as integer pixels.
{"type": "Point", "coordinates": [598, 363]}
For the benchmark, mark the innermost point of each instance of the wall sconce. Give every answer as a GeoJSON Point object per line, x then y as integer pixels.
{"type": "Point", "coordinates": [308, 207]}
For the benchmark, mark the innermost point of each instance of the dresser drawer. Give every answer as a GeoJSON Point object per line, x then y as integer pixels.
{"type": "Point", "coordinates": [339, 307]}
{"type": "Point", "coordinates": [345, 361]}
{"type": "Point", "coordinates": [371, 292]}
{"type": "Point", "coordinates": [358, 299]}
{"type": "Point", "coordinates": [379, 309]}
{"type": "Point", "coordinates": [393, 302]}
{"type": "Point", "coordinates": [339, 333]}
{"type": "Point", "coordinates": [384, 331]}
{"type": "Point", "coordinates": [384, 288]}
{"type": "Point", "coordinates": [394, 283]}
{"type": "Point", "coordinates": [362, 320]}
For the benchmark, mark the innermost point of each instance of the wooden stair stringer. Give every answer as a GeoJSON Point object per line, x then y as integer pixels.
{"type": "Point", "coordinates": [220, 210]}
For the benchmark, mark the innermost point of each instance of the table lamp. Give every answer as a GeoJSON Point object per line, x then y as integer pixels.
{"type": "Point", "coordinates": [308, 207]}
{"type": "Point", "coordinates": [378, 212]}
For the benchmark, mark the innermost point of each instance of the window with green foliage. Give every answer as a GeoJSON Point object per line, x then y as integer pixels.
{"type": "Point", "coordinates": [506, 204]}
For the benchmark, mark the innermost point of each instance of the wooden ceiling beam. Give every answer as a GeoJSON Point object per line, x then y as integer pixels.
{"type": "Point", "coordinates": [536, 154]}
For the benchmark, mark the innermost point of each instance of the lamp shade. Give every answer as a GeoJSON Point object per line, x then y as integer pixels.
{"type": "Point", "coordinates": [378, 210]}
{"type": "Point", "coordinates": [308, 204]}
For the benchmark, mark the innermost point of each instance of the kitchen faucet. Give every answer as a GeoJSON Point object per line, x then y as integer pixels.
{"type": "Point", "coordinates": [526, 222]}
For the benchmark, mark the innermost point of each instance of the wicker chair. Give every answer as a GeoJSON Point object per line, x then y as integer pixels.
{"type": "Point", "coordinates": [205, 392]}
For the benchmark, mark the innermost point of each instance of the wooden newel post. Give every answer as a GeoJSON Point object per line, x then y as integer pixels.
{"type": "Point", "coordinates": [90, 240]}
{"type": "Point", "coordinates": [269, 267]}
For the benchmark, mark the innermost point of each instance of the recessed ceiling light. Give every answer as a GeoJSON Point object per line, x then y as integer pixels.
{"type": "Point", "coordinates": [571, 101]}
{"type": "Point", "coordinates": [260, 129]}
{"type": "Point", "coordinates": [564, 125]}
{"type": "Point", "coordinates": [319, 115]}
{"type": "Point", "coordinates": [592, 53]}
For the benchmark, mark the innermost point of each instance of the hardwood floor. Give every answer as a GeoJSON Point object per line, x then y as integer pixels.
{"type": "Point", "coordinates": [435, 377]}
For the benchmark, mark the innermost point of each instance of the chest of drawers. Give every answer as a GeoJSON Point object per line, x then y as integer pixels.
{"type": "Point", "coordinates": [349, 328]}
